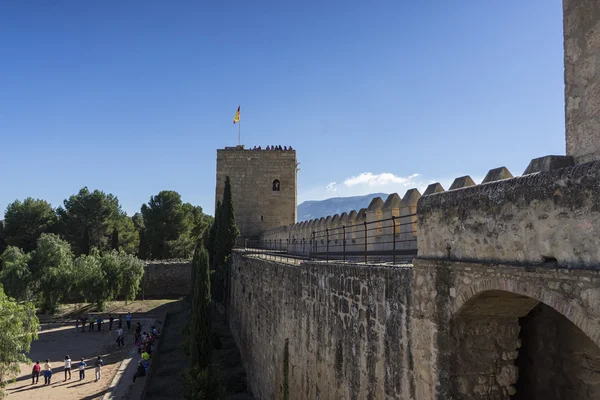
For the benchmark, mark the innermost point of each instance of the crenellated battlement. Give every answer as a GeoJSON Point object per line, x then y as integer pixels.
{"type": "Point", "coordinates": [375, 223]}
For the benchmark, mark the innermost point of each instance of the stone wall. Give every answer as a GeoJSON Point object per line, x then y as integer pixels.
{"type": "Point", "coordinates": [582, 78]}
{"type": "Point", "coordinates": [166, 279]}
{"type": "Point", "coordinates": [324, 331]}
{"type": "Point", "coordinates": [436, 330]}
{"type": "Point", "coordinates": [551, 216]}
{"type": "Point", "coordinates": [252, 174]}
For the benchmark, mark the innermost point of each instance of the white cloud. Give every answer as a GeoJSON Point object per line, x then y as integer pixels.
{"type": "Point", "coordinates": [368, 182]}
{"type": "Point", "coordinates": [383, 179]}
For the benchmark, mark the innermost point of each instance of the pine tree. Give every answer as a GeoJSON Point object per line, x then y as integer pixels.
{"type": "Point", "coordinates": [200, 324]}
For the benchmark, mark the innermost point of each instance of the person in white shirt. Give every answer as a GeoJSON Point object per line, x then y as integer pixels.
{"type": "Point", "coordinates": [98, 364]}
{"type": "Point", "coordinates": [120, 338]}
{"type": "Point", "coordinates": [67, 367]}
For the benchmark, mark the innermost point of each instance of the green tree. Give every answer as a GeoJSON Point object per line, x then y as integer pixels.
{"type": "Point", "coordinates": [138, 223]}
{"type": "Point", "coordinates": [133, 271]}
{"type": "Point", "coordinates": [196, 222]}
{"type": "Point", "coordinates": [164, 221]}
{"type": "Point", "coordinates": [25, 221]}
{"type": "Point", "coordinates": [124, 235]}
{"type": "Point", "coordinates": [19, 327]}
{"type": "Point", "coordinates": [204, 384]}
{"type": "Point", "coordinates": [90, 281]}
{"type": "Point", "coordinates": [87, 219]}
{"type": "Point", "coordinates": [200, 324]}
{"type": "Point", "coordinates": [123, 273]}
{"type": "Point", "coordinates": [2, 238]}
{"type": "Point", "coordinates": [15, 275]}
{"type": "Point", "coordinates": [52, 269]}
{"type": "Point", "coordinates": [210, 237]}
{"type": "Point", "coordinates": [114, 239]}
{"type": "Point", "coordinates": [227, 230]}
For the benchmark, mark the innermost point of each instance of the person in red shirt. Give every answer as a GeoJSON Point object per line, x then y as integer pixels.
{"type": "Point", "coordinates": [35, 374]}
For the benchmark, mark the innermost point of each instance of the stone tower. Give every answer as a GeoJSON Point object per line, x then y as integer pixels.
{"type": "Point", "coordinates": [263, 187]}
{"type": "Point", "coordinates": [582, 78]}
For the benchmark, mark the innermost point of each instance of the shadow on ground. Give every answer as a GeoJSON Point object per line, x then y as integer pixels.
{"type": "Point", "coordinates": [167, 380]}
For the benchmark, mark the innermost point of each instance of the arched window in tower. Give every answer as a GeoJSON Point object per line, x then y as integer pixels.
{"type": "Point", "coordinates": [276, 185]}
{"type": "Point", "coordinates": [262, 219]}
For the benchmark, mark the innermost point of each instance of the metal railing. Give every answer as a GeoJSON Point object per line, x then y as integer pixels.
{"type": "Point", "coordinates": [385, 240]}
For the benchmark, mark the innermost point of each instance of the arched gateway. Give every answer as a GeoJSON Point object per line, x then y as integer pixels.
{"type": "Point", "coordinates": [508, 345]}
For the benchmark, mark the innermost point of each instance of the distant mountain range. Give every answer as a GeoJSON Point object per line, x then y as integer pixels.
{"type": "Point", "coordinates": [336, 205]}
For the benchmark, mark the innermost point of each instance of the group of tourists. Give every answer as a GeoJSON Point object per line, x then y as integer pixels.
{"type": "Point", "coordinates": [145, 345]}
{"type": "Point", "coordinates": [35, 373]}
{"type": "Point", "coordinates": [143, 340]}
{"type": "Point", "coordinates": [97, 322]}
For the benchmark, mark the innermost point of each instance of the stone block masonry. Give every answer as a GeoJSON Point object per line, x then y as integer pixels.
{"type": "Point", "coordinates": [166, 279]}
{"type": "Point", "coordinates": [346, 328]}
{"type": "Point", "coordinates": [263, 187]}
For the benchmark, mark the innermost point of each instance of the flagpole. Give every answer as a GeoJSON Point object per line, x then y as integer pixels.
{"type": "Point", "coordinates": [239, 129]}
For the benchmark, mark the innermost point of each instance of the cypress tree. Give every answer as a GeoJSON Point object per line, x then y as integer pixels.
{"type": "Point", "coordinates": [200, 324]}
{"type": "Point", "coordinates": [86, 241]}
{"type": "Point", "coordinates": [227, 230]}
{"type": "Point", "coordinates": [212, 234]}
{"type": "Point", "coordinates": [115, 239]}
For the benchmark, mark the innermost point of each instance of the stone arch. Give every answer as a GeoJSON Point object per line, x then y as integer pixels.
{"type": "Point", "coordinates": [512, 339]}
{"type": "Point", "coordinates": [573, 311]}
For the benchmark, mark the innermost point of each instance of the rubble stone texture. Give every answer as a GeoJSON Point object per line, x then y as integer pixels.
{"type": "Point", "coordinates": [581, 22]}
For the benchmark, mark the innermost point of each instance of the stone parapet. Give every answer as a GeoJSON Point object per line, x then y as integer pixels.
{"type": "Point", "coordinates": [551, 217]}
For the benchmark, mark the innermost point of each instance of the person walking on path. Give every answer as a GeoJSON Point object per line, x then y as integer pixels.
{"type": "Point", "coordinates": [82, 366]}
{"type": "Point", "coordinates": [138, 332]}
{"type": "Point", "coordinates": [67, 367]}
{"type": "Point", "coordinates": [110, 322]}
{"type": "Point", "coordinates": [128, 319]}
{"type": "Point", "coordinates": [83, 320]}
{"type": "Point", "coordinates": [99, 321]}
{"type": "Point", "coordinates": [35, 372]}
{"type": "Point", "coordinates": [120, 322]}
{"type": "Point", "coordinates": [47, 373]}
{"type": "Point", "coordinates": [120, 338]}
{"type": "Point", "coordinates": [91, 324]}
{"type": "Point", "coordinates": [77, 325]}
{"type": "Point", "coordinates": [98, 364]}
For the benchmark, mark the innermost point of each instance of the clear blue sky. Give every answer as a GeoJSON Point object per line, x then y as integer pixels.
{"type": "Point", "coordinates": [135, 97]}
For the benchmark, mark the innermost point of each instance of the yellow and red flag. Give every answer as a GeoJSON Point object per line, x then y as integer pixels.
{"type": "Point", "coordinates": [237, 116]}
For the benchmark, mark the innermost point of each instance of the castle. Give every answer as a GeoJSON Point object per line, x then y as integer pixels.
{"type": "Point", "coordinates": [502, 300]}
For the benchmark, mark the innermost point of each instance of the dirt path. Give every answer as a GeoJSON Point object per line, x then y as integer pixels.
{"type": "Point", "coordinates": [57, 340]}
